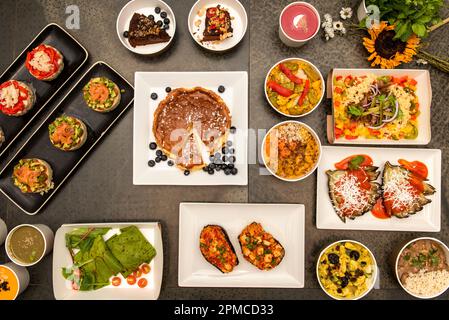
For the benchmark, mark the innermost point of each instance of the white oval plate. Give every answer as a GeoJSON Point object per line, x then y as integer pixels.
{"type": "Point", "coordinates": [239, 23]}
{"type": "Point", "coordinates": [145, 7]}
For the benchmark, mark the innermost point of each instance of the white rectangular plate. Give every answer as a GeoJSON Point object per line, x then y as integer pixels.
{"type": "Point", "coordinates": [426, 220]}
{"type": "Point", "coordinates": [236, 98]}
{"type": "Point", "coordinates": [284, 221]}
{"type": "Point", "coordinates": [423, 91]}
{"type": "Point", "coordinates": [61, 259]}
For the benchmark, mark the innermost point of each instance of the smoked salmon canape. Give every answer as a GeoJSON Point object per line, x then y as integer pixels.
{"type": "Point", "coordinates": [67, 133]}
{"type": "Point", "coordinates": [101, 94]}
{"type": "Point", "coordinates": [16, 98]}
{"type": "Point", "coordinates": [45, 62]}
{"type": "Point", "coordinates": [33, 176]}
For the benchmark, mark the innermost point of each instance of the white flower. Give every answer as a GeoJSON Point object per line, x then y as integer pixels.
{"type": "Point", "coordinates": [346, 13]}
{"type": "Point", "coordinates": [421, 61]}
{"type": "Point", "coordinates": [343, 31]}
{"type": "Point", "coordinates": [338, 25]}
{"type": "Point", "coordinates": [329, 32]}
{"type": "Point", "coordinates": [328, 17]}
{"type": "Point", "coordinates": [327, 24]}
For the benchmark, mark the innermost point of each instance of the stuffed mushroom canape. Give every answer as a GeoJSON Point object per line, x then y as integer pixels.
{"type": "Point", "coordinates": [101, 94]}
{"type": "Point", "coordinates": [260, 248]}
{"type": "Point", "coordinates": [33, 176]}
{"type": "Point", "coordinates": [45, 62]}
{"type": "Point", "coordinates": [67, 133]}
{"type": "Point", "coordinates": [217, 249]}
{"type": "Point", "coordinates": [16, 98]}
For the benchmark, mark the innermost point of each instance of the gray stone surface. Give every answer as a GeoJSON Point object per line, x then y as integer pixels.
{"type": "Point", "coordinates": [102, 190]}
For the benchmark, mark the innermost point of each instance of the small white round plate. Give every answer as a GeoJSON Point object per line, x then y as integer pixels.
{"type": "Point", "coordinates": [145, 7]}
{"type": "Point", "coordinates": [239, 22]}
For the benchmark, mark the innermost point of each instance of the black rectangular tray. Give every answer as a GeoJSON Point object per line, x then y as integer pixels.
{"type": "Point", "coordinates": [64, 163]}
{"type": "Point", "coordinates": [75, 55]}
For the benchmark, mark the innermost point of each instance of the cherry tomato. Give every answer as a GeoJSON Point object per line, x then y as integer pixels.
{"type": "Point", "coordinates": [116, 281]}
{"type": "Point", "coordinates": [416, 167]}
{"type": "Point", "coordinates": [142, 283]}
{"type": "Point", "coordinates": [379, 210]}
{"type": "Point", "coordinates": [344, 164]}
{"type": "Point", "coordinates": [131, 279]}
{"type": "Point", "coordinates": [137, 273]}
{"type": "Point", "coordinates": [145, 268]}
{"type": "Point", "coordinates": [338, 90]}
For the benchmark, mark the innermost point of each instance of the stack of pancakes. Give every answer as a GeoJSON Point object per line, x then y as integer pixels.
{"type": "Point", "coordinates": [190, 125]}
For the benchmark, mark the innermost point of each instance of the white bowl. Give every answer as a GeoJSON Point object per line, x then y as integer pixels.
{"type": "Point", "coordinates": [239, 23]}
{"type": "Point", "coordinates": [3, 231]}
{"type": "Point", "coordinates": [313, 134]}
{"type": "Point", "coordinates": [322, 87]}
{"type": "Point", "coordinates": [46, 233]}
{"type": "Point", "coordinates": [22, 275]}
{"type": "Point", "coordinates": [145, 7]}
{"type": "Point", "coordinates": [446, 250]}
{"type": "Point", "coordinates": [373, 278]}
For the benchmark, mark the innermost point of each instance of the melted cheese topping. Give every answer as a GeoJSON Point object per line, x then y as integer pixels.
{"type": "Point", "coordinates": [398, 190]}
{"type": "Point", "coordinates": [41, 61]}
{"type": "Point", "coordinates": [354, 198]}
{"type": "Point", "coordinates": [9, 96]}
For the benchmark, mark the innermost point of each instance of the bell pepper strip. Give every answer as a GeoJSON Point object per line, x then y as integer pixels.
{"type": "Point", "coordinates": [344, 164]}
{"type": "Point", "coordinates": [279, 89]}
{"type": "Point", "coordinates": [20, 103]}
{"type": "Point", "coordinates": [304, 93]}
{"type": "Point", "coordinates": [379, 210]}
{"type": "Point", "coordinates": [51, 53]}
{"type": "Point", "coordinates": [416, 167]}
{"type": "Point", "coordinates": [289, 74]}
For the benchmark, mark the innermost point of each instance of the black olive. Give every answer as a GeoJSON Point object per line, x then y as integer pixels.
{"type": "Point", "coordinates": [126, 34]}
{"type": "Point", "coordinates": [333, 258]}
{"type": "Point", "coordinates": [225, 158]}
{"type": "Point", "coordinates": [229, 143]}
{"type": "Point", "coordinates": [170, 163]}
{"type": "Point", "coordinates": [186, 173]}
{"type": "Point", "coordinates": [211, 171]}
{"type": "Point", "coordinates": [166, 20]}
{"type": "Point", "coordinates": [163, 14]}
{"type": "Point", "coordinates": [158, 159]}
{"type": "Point", "coordinates": [227, 171]}
{"type": "Point", "coordinates": [211, 158]}
{"type": "Point", "coordinates": [168, 89]}
{"type": "Point", "coordinates": [234, 171]}
{"type": "Point", "coordinates": [212, 166]}
{"type": "Point", "coordinates": [233, 129]}
{"type": "Point", "coordinates": [218, 162]}
{"type": "Point", "coordinates": [159, 153]}
{"type": "Point", "coordinates": [153, 146]}
{"type": "Point", "coordinates": [221, 89]}
{"type": "Point", "coordinates": [206, 168]}
{"type": "Point", "coordinates": [217, 155]}
{"type": "Point", "coordinates": [232, 159]}
{"type": "Point", "coordinates": [225, 150]}
{"type": "Point", "coordinates": [223, 166]}
{"type": "Point", "coordinates": [231, 150]}
{"type": "Point", "coordinates": [354, 255]}
{"type": "Point", "coordinates": [230, 166]}
{"type": "Point", "coordinates": [157, 10]}
{"type": "Point", "coordinates": [217, 168]}
{"type": "Point", "coordinates": [164, 157]}
{"type": "Point", "coordinates": [154, 96]}
{"type": "Point", "coordinates": [151, 163]}
{"type": "Point", "coordinates": [151, 17]}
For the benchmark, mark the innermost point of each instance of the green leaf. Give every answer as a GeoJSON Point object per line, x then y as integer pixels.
{"type": "Point", "coordinates": [355, 162]}
{"type": "Point", "coordinates": [419, 29]}
{"type": "Point", "coordinates": [424, 20]}
{"type": "Point", "coordinates": [355, 111]}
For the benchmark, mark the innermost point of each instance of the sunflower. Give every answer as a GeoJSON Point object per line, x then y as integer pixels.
{"type": "Point", "coordinates": [386, 51]}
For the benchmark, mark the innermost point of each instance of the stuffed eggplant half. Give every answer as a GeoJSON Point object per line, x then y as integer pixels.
{"type": "Point", "coordinates": [260, 248]}
{"type": "Point", "coordinates": [101, 94]}
{"type": "Point", "coordinates": [217, 249]}
{"type": "Point", "coordinates": [67, 133]}
{"type": "Point", "coordinates": [33, 176]}
{"type": "Point", "coordinates": [16, 98]}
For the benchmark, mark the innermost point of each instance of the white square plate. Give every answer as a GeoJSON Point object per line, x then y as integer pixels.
{"type": "Point", "coordinates": [423, 92]}
{"type": "Point", "coordinates": [62, 259]}
{"type": "Point", "coordinates": [236, 98]}
{"type": "Point", "coordinates": [427, 220]}
{"type": "Point", "coordinates": [284, 221]}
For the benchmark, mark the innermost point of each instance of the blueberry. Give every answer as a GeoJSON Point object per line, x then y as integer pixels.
{"type": "Point", "coordinates": [229, 143]}
{"type": "Point", "coordinates": [206, 168]}
{"type": "Point", "coordinates": [170, 163]}
{"type": "Point", "coordinates": [225, 150]}
{"type": "Point", "coordinates": [212, 158]}
{"type": "Point", "coordinates": [157, 10]}
{"type": "Point", "coordinates": [126, 34]}
{"type": "Point", "coordinates": [159, 153]}
{"type": "Point", "coordinates": [151, 17]}
{"type": "Point", "coordinates": [153, 146]}
{"type": "Point", "coordinates": [221, 89]}
{"type": "Point", "coordinates": [211, 171]}
{"type": "Point", "coordinates": [223, 166]}
{"type": "Point", "coordinates": [231, 150]}
{"type": "Point", "coordinates": [163, 14]}
{"type": "Point", "coordinates": [166, 20]}
{"type": "Point", "coordinates": [234, 171]}
{"type": "Point", "coordinates": [165, 27]}
{"type": "Point", "coordinates": [164, 157]}
{"type": "Point", "coordinates": [154, 96]}
{"type": "Point", "coordinates": [233, 129]}
{"type": "Point", "coordinates": [230, 166]}
{"type": "Point", "coordinates": [217, 155]}
{"type": "Point", "coordinates": [225, 159]}
{"type": "Point", "coordinates": [231, 159]}
{"type": "Point", "coordinates": [354, 255]}
{"type": "Point", "coordinates": [168, 89]}
{"type": "Point", "coordinates": [218, 168]}
{"type": "Point", "coordinates": [333, 258]}
{"type": "Point", "coordinates": [344, 282]}
{"type": "Point", "coordinates": [159, 23]}
{"type": "Point", "coordinates": [187, 172]}
{"type": "Point", "coordinates": [227, 171]}
{"type": "Point", "coordinates": [212, 166]}
{"type": "Point", "coordinates": [151, 163]}
{"type": "Point", "coordinates": [218, 162]}
{"type": "Point", "coordinates": [158, 159]}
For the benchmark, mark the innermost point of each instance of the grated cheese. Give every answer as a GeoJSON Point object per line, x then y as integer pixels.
{"type": "Point", "coordinates": [9, 96]}
{"type": "Point", "coordinates": [41, 61]}
{"type": "Point", "coordinates": [354, 199]}
{"type": "Point", "coordinates": [398, 190]}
